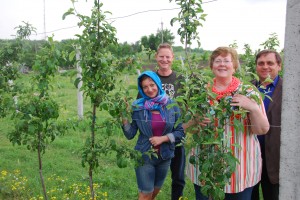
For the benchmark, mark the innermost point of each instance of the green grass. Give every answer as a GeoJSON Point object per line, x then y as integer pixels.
{"type": "Point", "coordinates": [62, 168]}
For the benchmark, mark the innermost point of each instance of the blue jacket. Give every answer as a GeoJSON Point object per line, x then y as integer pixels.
{"type": "Point", "coordinates": [141, 122]}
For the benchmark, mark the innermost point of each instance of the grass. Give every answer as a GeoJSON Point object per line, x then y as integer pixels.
{"type": "Point", "coordinates": [64, 176]}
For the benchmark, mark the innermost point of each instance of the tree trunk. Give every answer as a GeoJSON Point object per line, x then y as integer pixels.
{"type": "Point", "coordinates": [40, 168]}
{"type": "Point", "coordinates": [92, 150]}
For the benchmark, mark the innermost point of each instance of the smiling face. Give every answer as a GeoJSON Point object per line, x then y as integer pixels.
{"type": "Point", "coordinates": [267, 65]}
{"type": "Point", "coordinates": [224, 62]}
{"type": "Point", "coordinates": [149, 87]}
{"type": "Point", "coordinates": [222, 66]}
{"type": "Point", "coordinates": [164, 59]}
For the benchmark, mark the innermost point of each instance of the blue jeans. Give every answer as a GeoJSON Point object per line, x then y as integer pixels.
{"type": "Point", "coordinates": [244, 195]}
{"type": "Point", "coordinates": [152, 174]}
{"type": "Point", "coordinates": [178, 173]}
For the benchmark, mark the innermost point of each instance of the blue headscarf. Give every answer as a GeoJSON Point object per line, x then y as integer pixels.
{"type": "Point", "coordinates": [147, 103]}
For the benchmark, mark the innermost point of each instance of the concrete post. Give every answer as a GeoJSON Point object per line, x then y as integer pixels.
{"type": "Point", "coordinates": [289, 177]}
{"type": "Point", "coordinates": [79, 92]}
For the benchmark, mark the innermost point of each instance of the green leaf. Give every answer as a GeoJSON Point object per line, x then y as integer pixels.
{"type": "Point", "coordinates": [77, 81]}
{"type": "Point", "coordinates": [72, 55]}
{"type": "Point", "coordinates": [69, 12]}
{"type": "Point", "coordinates": [122, 162]}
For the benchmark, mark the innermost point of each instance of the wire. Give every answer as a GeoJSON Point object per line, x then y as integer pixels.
{"type": "Point", "coordinates": [130, 15]}
{"type": "Point", "coordinates": [248, 125]}
{"type": "Point", "coordinates": [58, 30]}
{"type": "Point", "coordinates": [143, 12]}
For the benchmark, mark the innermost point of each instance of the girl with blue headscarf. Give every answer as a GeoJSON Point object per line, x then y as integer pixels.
{"type": "Point", "coordinates": [156, 122]}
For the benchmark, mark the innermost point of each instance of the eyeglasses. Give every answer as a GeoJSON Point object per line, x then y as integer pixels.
{"type": "Point", "coordinates": [226, 62]}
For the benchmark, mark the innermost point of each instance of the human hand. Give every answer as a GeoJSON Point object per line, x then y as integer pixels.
{"type": "Point", "coordinates": [202, 121]}
{"type": "Point", "coordinates": [244, 102]}
{"type": "Point", "coordinates": [124, 121]}
{"type": "Point", "coordinates": [127, 104]}
{"type": "Point", "coordinates": [158, 140]}
{"type": "Point", "coordinates": [126, 110]}
{"type": "Point", "coordinates": [205, 121]}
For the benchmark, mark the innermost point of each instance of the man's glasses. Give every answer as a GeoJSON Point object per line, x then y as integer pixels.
{"type": "Point", "coordinates": [218, 62]}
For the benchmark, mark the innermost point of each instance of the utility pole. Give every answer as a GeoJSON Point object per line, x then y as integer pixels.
{"type": "Point", "coordinates": [45, 35]}
{"type": "Point", "coordinates": [162, 32]}
{"type": "Point", "coordinates": [289, 174]}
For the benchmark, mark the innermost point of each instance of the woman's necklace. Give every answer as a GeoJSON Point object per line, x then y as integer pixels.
{"type": "Point", "coordinates": [228, 91]}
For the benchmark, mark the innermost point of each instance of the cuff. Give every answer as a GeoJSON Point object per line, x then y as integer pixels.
{"type": "Point", "coordinates": [126, 127]}
{"type": "Point", "coordinates": [171, 137]}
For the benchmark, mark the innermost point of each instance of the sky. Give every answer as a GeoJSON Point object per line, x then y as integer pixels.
{"type": "Point", "coordinates": [241, 21]}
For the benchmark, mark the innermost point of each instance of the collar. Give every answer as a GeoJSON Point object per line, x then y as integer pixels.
{"type": "Point", "coordinates": [274, 83]}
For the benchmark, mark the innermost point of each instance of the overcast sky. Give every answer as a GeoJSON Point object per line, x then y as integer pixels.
{"type": "Point", "coordinates": [244, 21]}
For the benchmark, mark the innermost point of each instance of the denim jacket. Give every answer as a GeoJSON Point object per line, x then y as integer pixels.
{"type": "Point", "coordinates": [141, 121]}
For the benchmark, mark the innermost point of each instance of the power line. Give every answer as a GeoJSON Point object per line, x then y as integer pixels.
{"type": "Point", "coordinates": [58, 29]}
{"type": "Point", "coordinates": [122, 17]}
{"type": "Point", "coordinates": [141, 12]}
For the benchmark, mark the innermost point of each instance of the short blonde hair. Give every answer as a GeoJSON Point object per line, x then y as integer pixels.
{"type": "Point", "coordinates": [164, 46]}
{"type": "Point", "coordinates": [224, 51]}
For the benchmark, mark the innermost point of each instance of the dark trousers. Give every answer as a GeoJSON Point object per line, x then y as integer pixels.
{"type": "Point", "coordinates": [178, 173]}
{"type": "Point", "coordinates": [198, 193]}
{"type": "Point", "coordinates": [270, 191]}
{"type": "Point", "coordinates": [244, 195]}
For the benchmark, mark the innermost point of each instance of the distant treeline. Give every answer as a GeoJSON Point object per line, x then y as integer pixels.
{"type": "Point", "coordinates": [24, 51]}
